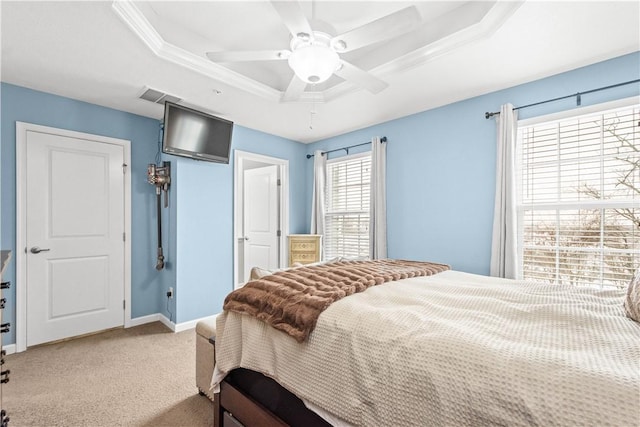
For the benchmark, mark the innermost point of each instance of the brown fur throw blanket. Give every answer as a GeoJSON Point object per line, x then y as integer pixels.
{"type": "Point", "coordinates": [292, 300]}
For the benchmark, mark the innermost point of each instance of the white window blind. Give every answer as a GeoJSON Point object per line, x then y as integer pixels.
{"type": "Point", "coordinates": [579, 191]}
{"type": "Point", "coordinates": [347, 206]}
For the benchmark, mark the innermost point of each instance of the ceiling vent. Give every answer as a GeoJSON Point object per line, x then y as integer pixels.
{"type": "Point", "coordinates": [158, 97]}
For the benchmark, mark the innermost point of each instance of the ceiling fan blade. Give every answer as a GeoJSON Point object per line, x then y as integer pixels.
{"type": "Point", "coordinates": [249, 55]}
{"type": "Point", "coordinates": [293, 17]}
{"type": "Point", "coordinates": [361, 78]}
{"type": "Point", "coordinates": [295, 89]}
{"type": "Point", "coordinates": [385, 28]}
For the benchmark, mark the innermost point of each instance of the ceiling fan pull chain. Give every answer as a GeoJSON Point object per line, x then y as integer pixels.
{"type": "Point", "coordinates": [313, 108]}
{"type": "Point", "coordinates": [311, 113]}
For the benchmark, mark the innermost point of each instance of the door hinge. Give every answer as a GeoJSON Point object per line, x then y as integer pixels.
{"type": "Point", "coordinates": [279, 233]}
{"type": "Point", "coordinates": [279, 182]}
{"type": "Point", "coordinates": [124, 237]}
{"type": "Point", "coordinates": [124, 168]}
{"type": "Point", "coordinates": [124, 304]}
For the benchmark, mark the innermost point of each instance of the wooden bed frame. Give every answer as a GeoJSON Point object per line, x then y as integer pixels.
{"type": "Point", "coordinates": [266, 404]}
{"type": "Point", "coordinates": [232, 403]}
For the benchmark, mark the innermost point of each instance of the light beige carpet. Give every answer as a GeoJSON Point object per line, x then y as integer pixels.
{"type": "Point", "coordinates": [141, 376]}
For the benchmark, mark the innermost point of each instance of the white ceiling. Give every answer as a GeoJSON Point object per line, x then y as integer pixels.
{"type": "Point", "coordinates": [107, 54]}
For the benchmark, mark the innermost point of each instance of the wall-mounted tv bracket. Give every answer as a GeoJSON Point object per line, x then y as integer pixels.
{"type": "Point", "coordinates": [160, 176]}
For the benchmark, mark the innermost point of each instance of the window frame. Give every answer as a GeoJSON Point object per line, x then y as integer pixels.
{"type": "Point", "coordinates": [559, 205]}
{"type": "Point", "coordinates": [342, 159]}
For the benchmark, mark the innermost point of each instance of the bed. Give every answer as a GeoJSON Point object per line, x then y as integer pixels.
{"type": "Point", "coordinates": [452, 348]}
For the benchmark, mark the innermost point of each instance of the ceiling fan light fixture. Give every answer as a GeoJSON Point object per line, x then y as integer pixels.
{"type": "Point", "coordinates": [314, 64]}
{"type": "Point", "coordinates": [314, 61]}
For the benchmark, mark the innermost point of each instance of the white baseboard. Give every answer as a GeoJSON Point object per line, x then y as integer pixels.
{"type": "Point", "coordinates": [9, 348]}
{"type": "Point", "coordinates": [192, 323]}
{"type": "Point", "coordinates": [159, 317]}
{"type": "Point", "coordinates": [144, 319]}
{"type": "Point", "coordinates": [166, 322]}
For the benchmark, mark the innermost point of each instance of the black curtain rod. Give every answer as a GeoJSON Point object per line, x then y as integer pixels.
{"type": "Point", "coordinates": [383, 139]}
{"type": "Point", "coordinates": [577, 95]}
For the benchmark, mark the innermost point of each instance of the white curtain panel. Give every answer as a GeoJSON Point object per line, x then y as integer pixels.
{"type": "Point", "coordinates": [504, 246]}
{"type": "Point", "coordinates": [378, 208]}
{"type": "Point", "coordinates": [317, 205]}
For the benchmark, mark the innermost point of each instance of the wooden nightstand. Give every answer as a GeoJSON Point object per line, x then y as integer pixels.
{"type": "Point", "coordinates": [304, 248]}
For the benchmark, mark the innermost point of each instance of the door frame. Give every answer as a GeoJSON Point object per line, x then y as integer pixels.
{"type": "Point", "coordinates": [21, 231]}
{"type": "Point", "coordinates": [240, 157]}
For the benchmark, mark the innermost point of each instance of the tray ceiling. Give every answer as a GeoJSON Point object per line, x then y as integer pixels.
{"type": "Point", "coordinates": [109, 53]}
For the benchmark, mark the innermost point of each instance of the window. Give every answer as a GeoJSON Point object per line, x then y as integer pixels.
{"type": "Point", "coordinates": [579, 199]}
{"type": "Point", "coordinates": [347, 206]}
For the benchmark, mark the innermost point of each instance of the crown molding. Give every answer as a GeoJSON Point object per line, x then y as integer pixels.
{"type": "Point", "coordinates": [470, 32]}
{"type": "Point", "coordinates": [470, 29]}
{"type": "Point", "coordinates": [141, 27]}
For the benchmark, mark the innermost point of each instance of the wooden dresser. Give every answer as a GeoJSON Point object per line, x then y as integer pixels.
{"type": "Point", "coordinates": [4, 328]}
{"type": "Point", "coordinates": [304, 248]}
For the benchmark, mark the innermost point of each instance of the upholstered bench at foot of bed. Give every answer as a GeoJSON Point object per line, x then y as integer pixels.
{"type": "Point", "coordinates": [205, 355]}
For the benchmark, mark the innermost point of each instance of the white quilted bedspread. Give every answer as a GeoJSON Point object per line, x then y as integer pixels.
{"type": "Point", "coordinates": [455, 349]}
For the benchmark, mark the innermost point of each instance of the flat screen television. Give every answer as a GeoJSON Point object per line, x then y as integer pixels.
{"type": "Point", "coordinates": [194, 134]}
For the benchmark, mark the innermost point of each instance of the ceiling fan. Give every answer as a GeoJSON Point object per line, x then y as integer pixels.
{"type": "Point", "coordinates": [314, 55]}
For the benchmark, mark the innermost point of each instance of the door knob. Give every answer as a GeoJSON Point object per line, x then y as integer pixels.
{"type": "Point", "coordinates": [37, 250]}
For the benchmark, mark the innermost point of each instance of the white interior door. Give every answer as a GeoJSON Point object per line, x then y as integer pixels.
{"type": "Point", "coordinates": [260, 218]}
{"type": "Point", "coordinates": [75, 224]}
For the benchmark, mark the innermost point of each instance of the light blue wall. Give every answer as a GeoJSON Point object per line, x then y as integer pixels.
{"type": "Point", "coordinates": [21, 104]}
{"type": "Point", "coordinates": [197, 235]}
{"type": "Point", "coordinates": [440, 184]}
{"type": "Point", "coordinates": [441, 163]}
{"type": "Point", "coordinates": [204, 220]}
